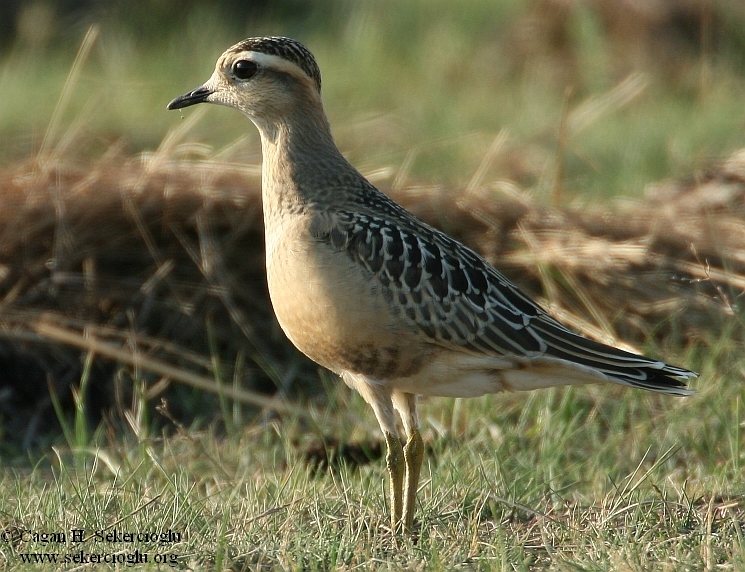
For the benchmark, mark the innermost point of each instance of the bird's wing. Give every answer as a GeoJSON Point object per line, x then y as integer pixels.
{"type": "Point", "coordinates": [456, 299]}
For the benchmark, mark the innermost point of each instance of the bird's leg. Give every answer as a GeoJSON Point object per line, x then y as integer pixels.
{"type": "Point", "coordinates": [405, 404]}
{"type": "Point", "coordinates": [413, 455]}
{"type": "Point", "coordinates": [394, 461]}
{"type": "Point", "coordinates": [380, 399]}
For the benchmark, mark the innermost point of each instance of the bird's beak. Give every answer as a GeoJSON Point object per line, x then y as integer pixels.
{"type": "Point", "coordinates": [198, 95]}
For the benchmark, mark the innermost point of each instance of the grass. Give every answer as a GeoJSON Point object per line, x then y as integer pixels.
{"type": "Point", "coordinates": [434, 77]}
{"type": "Point", "coordinates": [596, 478]}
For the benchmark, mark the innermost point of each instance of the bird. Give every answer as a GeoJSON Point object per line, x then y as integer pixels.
{"type": "Point", "coordinates": [393, 306]}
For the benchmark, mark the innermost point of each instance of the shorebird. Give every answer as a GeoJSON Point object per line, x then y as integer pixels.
{"type": "Point", "coordinates": [361, 286]}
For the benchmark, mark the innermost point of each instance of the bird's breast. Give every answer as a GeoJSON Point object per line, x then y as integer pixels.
{"type": "Point", "coordinates": [332, 309]}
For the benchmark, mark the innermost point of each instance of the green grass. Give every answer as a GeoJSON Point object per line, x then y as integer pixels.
{"type": "Point", "coordinates": [434, 78]}
{"type": "Point", "coordinates": [596, 478]}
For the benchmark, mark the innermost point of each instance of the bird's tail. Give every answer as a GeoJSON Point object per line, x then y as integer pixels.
{"type": "Point", "coordinates": [614, 365]}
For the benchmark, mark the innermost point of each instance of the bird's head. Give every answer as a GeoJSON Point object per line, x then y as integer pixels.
{"type": "Point", "coordinates": [262, 77]}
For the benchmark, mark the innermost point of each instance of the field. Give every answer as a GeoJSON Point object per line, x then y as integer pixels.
{"type": "Point", "coordinates": [154, 416]}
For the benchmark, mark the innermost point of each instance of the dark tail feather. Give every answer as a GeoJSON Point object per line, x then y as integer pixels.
{"type": "Point", "coordinates": [670, 380]}
{"type": "Point", "coordinates": [618, 366]}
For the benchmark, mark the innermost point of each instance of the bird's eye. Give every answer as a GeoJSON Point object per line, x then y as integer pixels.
{"type": "Point", "coordinates": [244, 69]}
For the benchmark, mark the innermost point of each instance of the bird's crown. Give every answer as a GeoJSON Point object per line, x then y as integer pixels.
{"type": "Point", "coordinates": [285, 48]}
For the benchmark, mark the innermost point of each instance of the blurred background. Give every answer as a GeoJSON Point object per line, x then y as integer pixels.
{"type": "Point", "coordinates": [626, 91]}
{"type": "Point", "coordinates": [507, 124]}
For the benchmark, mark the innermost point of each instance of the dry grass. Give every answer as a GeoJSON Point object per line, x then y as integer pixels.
{"type": "Point", "coordinates": [163, 259]}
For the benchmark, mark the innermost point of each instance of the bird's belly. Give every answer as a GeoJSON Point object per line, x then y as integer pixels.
{"type": "Point", "coordinates": [333, 313]}
{"type": "Point", "coordinates": [454, 374]}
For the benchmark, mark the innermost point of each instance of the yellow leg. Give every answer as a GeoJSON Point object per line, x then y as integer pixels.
{"type": "Point", "coordinates": [413, 455]}
{"type": "Point", "coordinates": [394, 460]}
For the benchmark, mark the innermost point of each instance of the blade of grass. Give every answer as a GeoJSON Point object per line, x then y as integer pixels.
{"type": "Point", "coordinates": [72, 79]}
{"type": "Point", "coordinates": [156, 366]}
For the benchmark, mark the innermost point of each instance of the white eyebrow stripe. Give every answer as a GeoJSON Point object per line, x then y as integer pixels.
{"type": "Point", "coordinates": [275, 62]}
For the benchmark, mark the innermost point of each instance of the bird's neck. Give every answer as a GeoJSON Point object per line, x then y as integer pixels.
{"type": "Point", "coordinates": [301, 164]}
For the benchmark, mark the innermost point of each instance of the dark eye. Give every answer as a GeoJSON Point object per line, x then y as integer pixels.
{"type": "Point", "coordinates": [244, 69]}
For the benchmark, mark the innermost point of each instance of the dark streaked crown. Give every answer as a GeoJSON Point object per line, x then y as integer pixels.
{"type": "Point", "coordinates": [286, 48]}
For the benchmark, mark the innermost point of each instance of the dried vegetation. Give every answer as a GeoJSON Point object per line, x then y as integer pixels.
{"type": "Point", "coordinates": [154, 268]}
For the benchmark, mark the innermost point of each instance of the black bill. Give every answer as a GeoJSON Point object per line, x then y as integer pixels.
{"type": "Point", "coordinates": [198, 95]}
